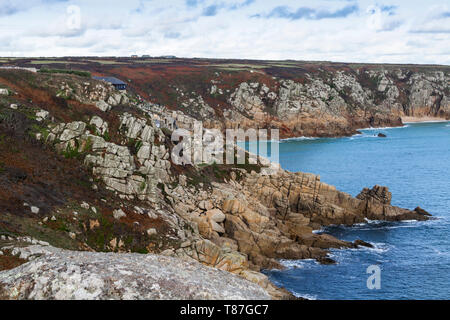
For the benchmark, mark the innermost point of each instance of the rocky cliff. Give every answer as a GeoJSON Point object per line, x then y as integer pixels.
{"type": "Point", "coordinates": [338, 103]}
{"type": "Point", "coordinates": [86, 168]}
{"type": "Point", "coordinates": [300, 98]}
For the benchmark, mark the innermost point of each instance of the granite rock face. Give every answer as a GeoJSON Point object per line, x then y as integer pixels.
{"type": "Point", "coordinates": [67, 275]}
{"type": "Point", "coordinates": [115, 163]}
{"type": "Point", "coordinates": [266, 218]}
{"type": "Point", "coordinates": [338, 102]}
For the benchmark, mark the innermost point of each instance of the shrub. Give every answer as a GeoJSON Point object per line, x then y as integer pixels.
{"type": "Point", "coordinates": [75, 72]}
{"type": "Point", "coordinates": [71, 153]}
{"type": "Point", "coordinates": [35, 129]}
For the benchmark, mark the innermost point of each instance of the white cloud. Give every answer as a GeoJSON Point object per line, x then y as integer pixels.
{"type": "Point", "coordinates": [435, 20]}
{"type": "Point", "coordinates": [382, 18]}
{"type": "Point", "coordinates": [394, 31]}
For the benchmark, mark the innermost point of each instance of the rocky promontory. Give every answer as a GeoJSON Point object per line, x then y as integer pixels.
{"type": "Point", "coordinates": [88, 169]}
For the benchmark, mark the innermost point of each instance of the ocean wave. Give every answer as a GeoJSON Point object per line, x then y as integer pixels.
{"type": "Point", "coordinates": [372, 222]}
{"type": "Point", "coordinates": [299, 139]}
{"type": "Point", "coordinates": [440, 253]}
{"type": "Point", "coordinates": [379, 247]}
{"type": "Point", "coordinates": [295, 264]}
{"type": "Point", "coordinates": [386, 224]}
{"type": "Point", "coordinates": [304, 295]}
{"type": "Point", "coordinates": [360, 136]}
{"type": "Point", "coordinates": [428, 121]}
{"type": "Point", "coordinates": [356, 225]}
{"type": "Point", "coordinates": [383, 128]}
{"type": "Point", "coordinates": [371, 225]}
{"type": "Point", "coordinates": [319, 231]}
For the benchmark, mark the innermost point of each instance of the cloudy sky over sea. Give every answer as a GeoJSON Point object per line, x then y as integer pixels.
{"type": "Point", "coordinates": [408, 31]}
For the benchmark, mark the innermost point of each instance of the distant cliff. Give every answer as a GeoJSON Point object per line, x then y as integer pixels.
{"type": "Point", "coordinates": [300, 98]}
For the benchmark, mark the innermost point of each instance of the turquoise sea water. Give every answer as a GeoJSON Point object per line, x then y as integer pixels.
{"type": "Point", "coordinates": [414, 257]}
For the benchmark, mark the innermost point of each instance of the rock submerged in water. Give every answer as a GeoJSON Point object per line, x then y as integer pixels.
{"type": "Point", "coordinates": [68, 275]}
{"type": "Point", "coordinates": [326, 261]}
{"type": "Point", "coordinates": [361, 243]}
{"type": "Point", "coordinates": [422, 212]}
{"type": "Point", "coordinates": [382, 135]}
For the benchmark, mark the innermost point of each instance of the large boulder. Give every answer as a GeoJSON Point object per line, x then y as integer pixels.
{"type": "Point", "coordinates": [103, 106]}
{"type": "Point", "coordinates": [67, 275]}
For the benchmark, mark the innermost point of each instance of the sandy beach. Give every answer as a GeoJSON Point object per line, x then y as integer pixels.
{"type": "Point", "coordinates": [422, 119]}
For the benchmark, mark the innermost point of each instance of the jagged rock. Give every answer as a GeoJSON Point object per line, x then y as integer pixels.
{"type": "Point", "coordinates": [226, 243]}
{"type": "Point", "coordinates": [216, 227]}
{"type": "Point", "coordinates": [103, 106]}
{"type": "Point", "coordinates": [210, 254]}
{"type": "Point", "coordinates": [326, 260]}
{"type": "Point", "coordinates": [216, 215]}
{"type": "Point", "coordinates": [118, 214]}
{"type": "Point", "coordinates": [42, 115]}
{"type": "Point", "coordinates": [422, 212]}
{"type": "Point", "coordinates": [68, 275]}
{"type": "Point", "coordinates": [102, 126]}
{"type": "Point", "coordinates": [144, 152]}
{"type": "Point", "coordinates": [233, 206]}
{"type": "Point", "coordinates": [115, 99]}
{"type": "Point", "coordinates": [204, 226]}
{"type": "Point", "coordinates": [377, 193]}
{"type": "Point", "coordinates": [205, 205]}
{"type": "Point", "coordinates": [363, 244]}
{"type": "Point", "coordinates": [182, 180]}
{"type": "Point", "coordinates": [72, 130]}
{"type": "Point", "coordinates": [34, 210]}
{"type": "Point", "coordinates": [246, 99]}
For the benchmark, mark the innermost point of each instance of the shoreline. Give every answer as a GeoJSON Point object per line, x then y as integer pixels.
{"type": "Point", "coordinates": [405, 121]}
{"type": "Point", "coordinates": [423, 120]}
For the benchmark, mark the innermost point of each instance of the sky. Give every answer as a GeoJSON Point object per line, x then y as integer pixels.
{"type": "Point", "coordinates": [385, 31]}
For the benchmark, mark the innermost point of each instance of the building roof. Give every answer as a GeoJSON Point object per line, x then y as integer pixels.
{"type": "Point", "coordinates": [111, 80]}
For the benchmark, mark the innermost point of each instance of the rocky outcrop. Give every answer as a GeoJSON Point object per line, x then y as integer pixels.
{"type": "Point", "coordinates": [273, 217]}
{"type": "Point", "coordinates": [229, 218]}
{"type": "Point", "coordinates": [429, 95]}
{"type": "Point", "coordinates": [55, 274]}
{"type": "Point", "coordinates": [322, 204]}
{"type": "Point", "coordinates": [338, 103]}
{"type": "Point", "coordinates": [114, 163]}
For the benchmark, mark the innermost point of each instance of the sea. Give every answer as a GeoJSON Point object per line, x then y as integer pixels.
{"type": "Point", "coordinates": [412, 259]}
